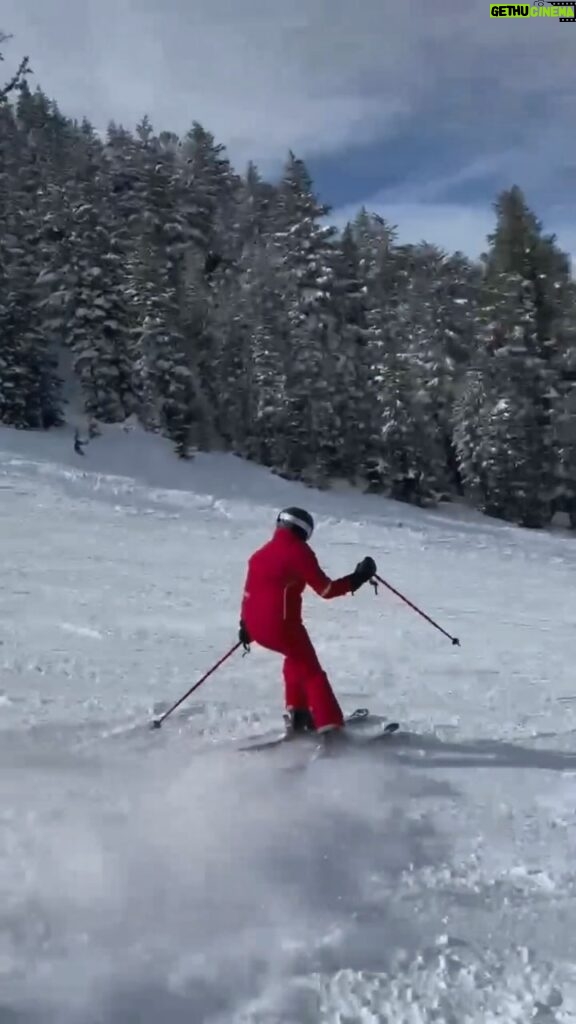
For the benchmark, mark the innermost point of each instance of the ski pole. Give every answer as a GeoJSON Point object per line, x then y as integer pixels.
{"type": "Point", "coordinates": [455, 641]}
{"type": "Point", "coordinates": [158, 721]}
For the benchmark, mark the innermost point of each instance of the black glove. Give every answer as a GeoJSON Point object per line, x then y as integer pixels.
{"type": "Point", "coordinates": [363, 572]}
{"type": "Point", "coordinates": [244, 636]}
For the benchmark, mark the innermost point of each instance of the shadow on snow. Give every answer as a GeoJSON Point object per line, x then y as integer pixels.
{"type": "Point", "coordinates": [429, 751]}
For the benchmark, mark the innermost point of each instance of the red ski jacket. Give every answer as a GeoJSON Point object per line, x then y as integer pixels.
{"type": "Point", "coordinates": [277, 575]}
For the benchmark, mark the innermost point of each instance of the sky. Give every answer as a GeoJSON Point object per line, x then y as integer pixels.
{"type": "Point", "coordinates": [419, 111]}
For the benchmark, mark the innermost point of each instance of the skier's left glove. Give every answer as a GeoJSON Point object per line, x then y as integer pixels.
{"type": "Point", "coordinates": [244, 636]}
{"type": "Point", "coordinates": [363, 572]}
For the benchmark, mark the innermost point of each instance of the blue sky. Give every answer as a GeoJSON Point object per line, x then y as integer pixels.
{"type": "Point", "coordinates": [419, 111]}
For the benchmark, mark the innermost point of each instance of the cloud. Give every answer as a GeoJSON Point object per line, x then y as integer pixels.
{"type": "Point", "coordinates": [265, 76]}
{"type": "Point", "coordinates": [491, 99]}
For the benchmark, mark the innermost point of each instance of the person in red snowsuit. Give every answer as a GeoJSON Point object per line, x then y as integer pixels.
{"type": "Point", "coordinates": [271, 616]}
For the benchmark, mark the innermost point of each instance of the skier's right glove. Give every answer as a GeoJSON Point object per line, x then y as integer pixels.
{"type": "Point", "coordinates": [244, 636]}
{"type": "Point", "coordinates": [363, 572]}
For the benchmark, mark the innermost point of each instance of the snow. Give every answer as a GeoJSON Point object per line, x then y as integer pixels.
{"type": "Point", "coordinates": [163, 876]}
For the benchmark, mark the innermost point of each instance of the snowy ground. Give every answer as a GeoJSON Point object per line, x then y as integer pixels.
{"type": "Point", "coordinates": [164, 877]}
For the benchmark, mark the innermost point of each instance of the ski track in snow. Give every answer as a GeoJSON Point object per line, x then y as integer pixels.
{"type": "Point", "coordinates": [163, 876]}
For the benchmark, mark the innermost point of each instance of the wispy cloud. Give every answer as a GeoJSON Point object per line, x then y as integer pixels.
{"type": "Point", "coordinates": [494, 98]}
{"type": "Point", "coordinates": [265, 75]}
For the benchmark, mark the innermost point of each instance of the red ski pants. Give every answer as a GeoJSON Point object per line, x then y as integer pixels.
{"type": "Point", "coordinates": [306, 684]}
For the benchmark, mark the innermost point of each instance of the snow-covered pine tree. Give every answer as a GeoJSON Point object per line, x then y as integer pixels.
{"type": "Point", "coordinates": [225, 331]}
{"type": "Point", "coordinates": [381, 262]}
{"type": "Point", "coordinates": [564, 409]}
{"type": "Point", "coordinates": [50, 135]}
{"type": "Point", "coordinates": [404, 451]}
{"type": "Point", "coordinates": [267, 375]}
{"type": "Point", "coordinates": [252, 414]}
{"type": "Point", "coordinates": [384, 271]}
{"type": "Point", "coordinates": [376, 242]}
{"type": "Point", "coordinates": [243, 335]}
{"type": "Point", "coordinates": [11, 397]}
{"type": "Point", "coordinates": [471, 407]}
{"type": "Point", "coordinates": [304, 256]}
{"type": "Point", "coordinates": [15, 82]}
{"type": "Point", "coordinates": [353, 402]}
{"type": "Point", "coordinates": [403, 456]}
{"type": "Point", "coordinates": [165, 353]}
{"type": "Point", "coordinates": [88, 283]}
{"type": "Point", "coordinates": [503, 429]}
{"type": "Point", "coordinates": [209, 195]}
{"type": "Point", "coordinates": [30, 388]}
{"type": "Point", "coordinates": [526, 283]}
{"type": "Point", "coordinates": [128, 167]}
{"type": "Point", "coordinates": [256, 201]}
{"type": "Point", "coordinates": [435, 299]}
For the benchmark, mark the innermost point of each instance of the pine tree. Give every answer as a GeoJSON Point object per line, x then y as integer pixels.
{"type": "Point", "coordinates": [91, 294]}
{"type": "Point", "coordinates": [30, 388]}
{"type": "Point", "coordinates": [208, 203]}
{"type": "Point", "coordinates": [211, 191]}
{"type": "Point", "coordinates": [435, 293]}
{"type": "Point", "coordinates": [377, 253]}
{"type": "Point", "coordinates": [242, 331]}
{"type": "Point", "coordinates": [564, 424]}
{"type": "Point", "coordinates": [471, 408]}
{"type": "Point", "coordinates": [398, 458]}
{"type": "Point", "coordinates": [304, 258]}
{"type": "Point", "coordinates": [256, 202]}
{"type": "Point", "coordinates": [268, 400]}
{"type": "Point", "coordinates": [525, 288]}
{"type": "Point", "coordinates": [18, 79]}
{"type": "Point", "coordinates": [166, 357]}
{"type": "Point", "coordinates": [353, 406]}
{"type": "Point", "coordinates": [505, 452]}
{"type": "Point", "coordinates": [404, 451]}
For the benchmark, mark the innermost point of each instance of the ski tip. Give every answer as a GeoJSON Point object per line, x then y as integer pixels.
{"type": "Point", "coordinates": [358, 714]}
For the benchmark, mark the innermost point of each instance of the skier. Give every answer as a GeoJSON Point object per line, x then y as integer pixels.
{"type": "Point", "coordinates": [271, 615]}
{"type": "Point", "coordinates": [78, 444]}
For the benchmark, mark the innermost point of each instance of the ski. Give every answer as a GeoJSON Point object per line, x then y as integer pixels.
{"type": "Point", "coordinates": [361, 727]}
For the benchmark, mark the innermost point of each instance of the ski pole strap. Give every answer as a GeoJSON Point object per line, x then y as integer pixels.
{"type": "Point", "coordinates": [453, 639]}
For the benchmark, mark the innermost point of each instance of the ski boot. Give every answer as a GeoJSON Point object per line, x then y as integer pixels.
{"type": "Point", "coordinates": [331, 742]}
{"type": "Point", "coordinates": [298, 722]}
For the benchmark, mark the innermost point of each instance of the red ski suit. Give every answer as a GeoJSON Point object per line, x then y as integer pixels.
{"type": "Point", "coordinates": [272, 613]}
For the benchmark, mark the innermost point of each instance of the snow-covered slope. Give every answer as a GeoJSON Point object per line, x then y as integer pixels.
{"type": "Point", "coordinates": [163, 876]}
